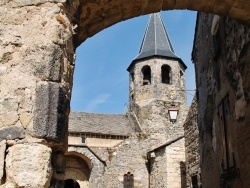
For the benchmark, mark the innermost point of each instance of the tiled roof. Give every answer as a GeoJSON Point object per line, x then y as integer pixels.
{"type": "Point", "coordinates": [107, 124]}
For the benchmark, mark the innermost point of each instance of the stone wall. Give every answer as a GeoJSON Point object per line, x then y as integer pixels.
{"type": "Point", "coordinates": [175, 155]}
{"type": "Point", "coordinates": [167, 166]}
{"type": "Point", "coordinates": [192, 146]}
{"type": "Point", "coordinates": [37, 61]}
{"type": "Point", "coordinates": [93, 142]}
{"type": "Point", "coordinates": [130, 156]}
{"type": "Point", "coordinates": [173, 92]}
{"type": "Point", "coordinates": [221, 56]}
{"type": "Point", "coordinates": [151, 102]}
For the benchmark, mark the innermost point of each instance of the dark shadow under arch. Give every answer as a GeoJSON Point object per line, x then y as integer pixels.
{"type": "Point", "coordinates": [70, 183]}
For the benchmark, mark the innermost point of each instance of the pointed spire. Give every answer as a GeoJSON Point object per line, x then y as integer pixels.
{"type": "Point", "coordinates": [156, 41]}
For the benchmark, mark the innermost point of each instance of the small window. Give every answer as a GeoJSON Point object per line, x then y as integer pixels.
{"type": "Point", "coordinates": [181, 74]}
{"type": "Point", "coordinates": [132, 76]}
{"type": "Point", "coordinates": [146, 71]}
{"type": "Point", "coordinates": [83, 140]}
{"type": "Point", "coordinates": [166, 74]}
{"type": "Point", "coordinates": [195, 181]}
{"type": "Point", "coordinates": [128, 180]}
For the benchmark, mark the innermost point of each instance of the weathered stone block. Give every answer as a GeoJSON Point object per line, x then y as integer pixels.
{"type": "Point", "coordinates": [25, 119]}
{"type": "Point", "coordinates": [8, 119]}
{"type": "Point", "coordinates": [8, 104]}
{"type": "Point", "coordinates": [51, 112]}
{"type": "Point", "coordinates": [21, 3]}
{"type": "Point", "coordinates": [148, 7]}
{"type": "Point", "coordinates": [46, 61]}
{"type": "Point", "coordinates": [11, 133]}
{"type": "Point", "coordinates": [28, 165]}
{"type": "Point", "coordinates": [2, 70]}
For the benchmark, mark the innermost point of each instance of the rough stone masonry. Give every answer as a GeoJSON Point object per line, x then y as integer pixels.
{"type": "Point", "coordinates": [37, 61]}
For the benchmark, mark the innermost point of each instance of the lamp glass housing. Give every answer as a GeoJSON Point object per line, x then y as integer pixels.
{"type": "Point", "coordinates": [173, 112]}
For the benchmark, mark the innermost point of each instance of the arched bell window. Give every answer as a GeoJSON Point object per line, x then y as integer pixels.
{"type": "Point", "coordinates": [146, 71]}
{"type": "Point", "coordinates": [166, 74]}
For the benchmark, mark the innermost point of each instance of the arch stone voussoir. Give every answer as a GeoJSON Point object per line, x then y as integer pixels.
{"type": "Point", "coordinates": [74, 174]}
{"type": "Point", "coordinates": [98, 15]}
{"type": "Point", "coordinates": [96, 178]}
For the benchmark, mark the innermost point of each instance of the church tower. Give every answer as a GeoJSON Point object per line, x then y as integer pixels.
{"type": "Point", "coordinates": [157, 84]}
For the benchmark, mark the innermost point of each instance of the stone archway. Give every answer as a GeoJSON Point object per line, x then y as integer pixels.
{"type": "Point", "coordinates": [97, 166]}
{"type": "Point", "coordinates": [98, 15]}
{"type": "Point", "coordinates": [78, 169]}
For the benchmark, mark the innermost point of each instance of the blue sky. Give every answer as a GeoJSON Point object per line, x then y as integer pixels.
{"type": "Point", "coordinates": [101, 79]}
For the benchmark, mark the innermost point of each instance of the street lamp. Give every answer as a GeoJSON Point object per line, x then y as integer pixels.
{"type": "Point", "coordinates": [173, 112]}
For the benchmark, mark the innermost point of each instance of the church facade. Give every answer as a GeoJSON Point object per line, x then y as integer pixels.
{"type": "Point", "coordinates": [144, 147]}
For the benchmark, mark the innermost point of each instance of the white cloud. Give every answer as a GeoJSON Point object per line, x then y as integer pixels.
{"type": "Point", "coordinates": [100, 99]}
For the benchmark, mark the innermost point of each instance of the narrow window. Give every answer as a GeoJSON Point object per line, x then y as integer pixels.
{"type": "Point", "coordinates": [166, 74]}
{"type": "Point", "coordinates": [146, 71]}
{"type": "Point", "coordinates": [215, 30]}
{"type": "Point", "coordinates": [181, 79]}
{"type": "Point", "coordinates": [83, 140]}
{"type": "Point", "coordinates": [128, 180]}
{"type": "Point", "coordinates": [226, 128]}
{"type": "Point", "coordinates": [181, 74]}
{"type": "Point", "coordinates": [195, 181]}
{"type": "Point", "coordinates": [132, 76]}
{"type": "Point", "coordinates": [183, 174]}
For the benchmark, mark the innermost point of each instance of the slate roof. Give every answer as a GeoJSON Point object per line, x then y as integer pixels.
{"type": "Point", "coordinates": [106, 124]}
{"type": "Point", "coordinates": [156, 41]}
{"type": "Point", "coordinates": [166, 144]}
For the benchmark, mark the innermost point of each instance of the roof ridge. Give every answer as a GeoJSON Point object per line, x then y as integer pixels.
{"type": "Point", "coordinates": [95, 113]}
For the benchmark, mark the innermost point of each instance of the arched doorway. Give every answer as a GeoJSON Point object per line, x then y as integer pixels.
{"type": "Point", "coordinates": [77, 171]}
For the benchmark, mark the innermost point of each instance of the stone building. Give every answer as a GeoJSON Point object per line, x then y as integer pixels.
{"type": "Point", "coordinates": [192, 147]}
{"type": "Point", "coordinates": [144, 147]}
{"type": "Point", "coordinates": [221, 54]}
